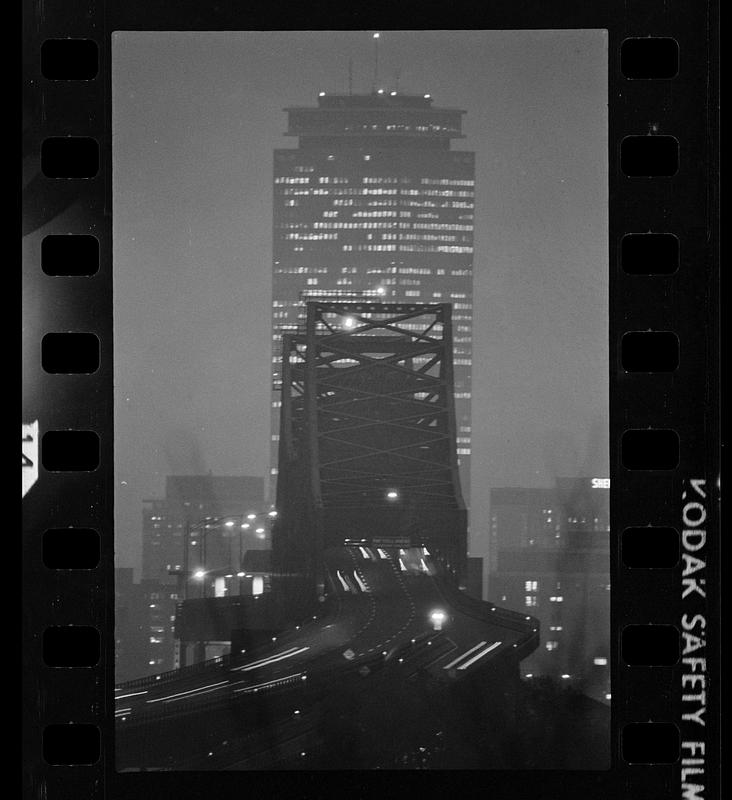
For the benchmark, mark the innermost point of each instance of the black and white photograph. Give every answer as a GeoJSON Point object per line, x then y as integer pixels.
{"type": "Point", "coordinates": [361, 400]}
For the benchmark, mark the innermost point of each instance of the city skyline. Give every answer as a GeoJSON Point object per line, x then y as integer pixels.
{"type": "Point", "coordinates": [192, 222]}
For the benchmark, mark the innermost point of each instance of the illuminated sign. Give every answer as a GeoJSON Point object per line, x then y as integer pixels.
{"type": "Point", "coordinates": [601, 483]}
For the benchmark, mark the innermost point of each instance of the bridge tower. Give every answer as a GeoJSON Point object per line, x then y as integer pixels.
{"type": "Point", "coordinates": [367, 448]}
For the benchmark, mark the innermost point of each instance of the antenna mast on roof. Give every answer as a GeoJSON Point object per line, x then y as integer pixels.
{"type": "Point", "coordinates": [376, 61]}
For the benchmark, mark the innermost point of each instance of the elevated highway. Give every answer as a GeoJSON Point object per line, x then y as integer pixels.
{"type": "Point", "coordinates": [390, 616]}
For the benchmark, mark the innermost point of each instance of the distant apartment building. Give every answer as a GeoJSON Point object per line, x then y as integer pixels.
{"type": "Point", "coordinates": [550, 556]}
{"type": "Point", "coordinates": [188, 500]}
{"type": "Point", "coordinates": [173, 533]}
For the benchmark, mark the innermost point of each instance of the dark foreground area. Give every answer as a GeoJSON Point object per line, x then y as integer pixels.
{"type": "Point", "coordinates": [544, 725]}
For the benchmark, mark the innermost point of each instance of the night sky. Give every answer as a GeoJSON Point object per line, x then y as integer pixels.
{"type": "Point", "coordinates": [195, 119]}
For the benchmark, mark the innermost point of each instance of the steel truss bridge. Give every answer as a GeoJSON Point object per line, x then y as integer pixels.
{"type": "Point", "coordinates": [372, 530]}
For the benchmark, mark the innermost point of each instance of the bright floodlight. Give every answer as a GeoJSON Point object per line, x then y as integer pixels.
{"type": "Point", "coordinates": [199, 574]}
{"type": "Point", "coordinates": [381, 91]}
{"type": "Point", "coordinates": [229, 523]}
{"type": "Point", "coordinates": [259, 530]}
{"type": "Point", "coordinates": [246, 526]}
{"type": "Point", "coordinates": [349, 322]}
{"type": "Point", "coordinates": [438, 617]}
{"type": "Point", "coordinates": [376, 35]}
{"type": "Point", "coordinates": [239, 574]}
{"type": "Point", "coordinates": [392, 494]}
{"type": "Point", "coordinates": [251, 516]}
{"type": "Point", "coordinates": [392, 93]}
{"type": "Point", "coordinates": [380, 290]}
{"type": "Point", "coordinates": [321, 94]}
{"type": "Point", "coordinates": [273, 513]}
{"type": "Point", "coordinates": [427, 96]}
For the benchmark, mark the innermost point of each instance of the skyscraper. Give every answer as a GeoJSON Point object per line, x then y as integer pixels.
{"type": "Point", "coordinates": [374, 203]}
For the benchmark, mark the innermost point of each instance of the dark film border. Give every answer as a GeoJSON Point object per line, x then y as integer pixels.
{"type": "Point", "coordinates": [683, 204]}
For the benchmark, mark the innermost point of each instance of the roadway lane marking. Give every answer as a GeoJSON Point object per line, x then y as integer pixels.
{"type": "Point", "coordinates": [480, 655]}
{"type": "Point", "coordinates": [361, 584]}
{"type": "Point", "coordinates": [133, 694]}
{"type": "Point", "coordinates": [465, 655]}
{"type": "Point", "coordinates": [342, 580]}
{"type": "Point", "coordinates": [364, 552]}
{"type": "Point", "coordinates": [273, 660]}
{"type": "Point", "coordinates": [190, 692]}
{"type": "Point", "coordinates": [382, 553]}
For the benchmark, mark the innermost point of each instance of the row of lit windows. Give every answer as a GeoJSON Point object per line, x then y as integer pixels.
{"type": "Point", "coordinates": [301, 271]}
{"type": "Point", "coordinates": [447, 204]}
{"type": "Point", "coordinates": [436, 193]}
{"type": "Point", "coordinates": [435, 248]}
{"type": "Point", "coordinates": [423, 237]}
{"type": "Point", "coordinates": [312, 236]}
{"type": "Point", "coordinates": [366, 192]}
{"type": "Point", "coordinates": [348, 225]}
{"type": "Point", "coordinates": [402, 248]}
{"type": "Point", "coordinates": [446, 182]}
{"type": "Point", "coordinates": [432, 204]}
{"type": "Point", "coordinates": [440, 226]}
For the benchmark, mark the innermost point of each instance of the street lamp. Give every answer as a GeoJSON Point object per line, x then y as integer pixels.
{"type": "Point", "coordinates": [209, 524]}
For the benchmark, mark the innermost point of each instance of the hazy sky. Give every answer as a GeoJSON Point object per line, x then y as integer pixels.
{"type": "Point", "coordinates": [196, 116]}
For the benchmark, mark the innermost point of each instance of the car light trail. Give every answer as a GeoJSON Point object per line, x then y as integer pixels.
{"type": "Point", "coordinates": [189, 693]}
{"type": "Point", "coordinates": [121, 711]}
{"type": "Point", "coordinates": [480, 655]}
{"type": "Point", "coordinates": [465, 655]}
{"type": "Point", "coordinates": [133, 694]}
{"type": "Point", "coordinates": [262, 660]}
{"type": "Point", "coordinates": [258, 686]}
{"type": "Point", "coordinates": [273, 659]}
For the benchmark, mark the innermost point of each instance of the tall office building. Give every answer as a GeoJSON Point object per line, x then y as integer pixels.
{"type": "Point", "coordinates": [374, 203]}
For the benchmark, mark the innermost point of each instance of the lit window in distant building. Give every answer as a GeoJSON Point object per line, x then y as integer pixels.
{"type": "Point", "coordinates": [552, 645]}
{"type": "Point", "coordinates": [531, 586]}
{"type": "Point", "coordinates": [530, 600]}
{"type": "Point", "coordinates": [600, 661]}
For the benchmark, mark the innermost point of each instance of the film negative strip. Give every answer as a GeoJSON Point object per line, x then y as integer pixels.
{"type": "Point", "coordinates": [384, 661]}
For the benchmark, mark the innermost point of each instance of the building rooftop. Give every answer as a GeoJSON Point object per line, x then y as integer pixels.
{"type": "Point", "coordinates": [382, 114]}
